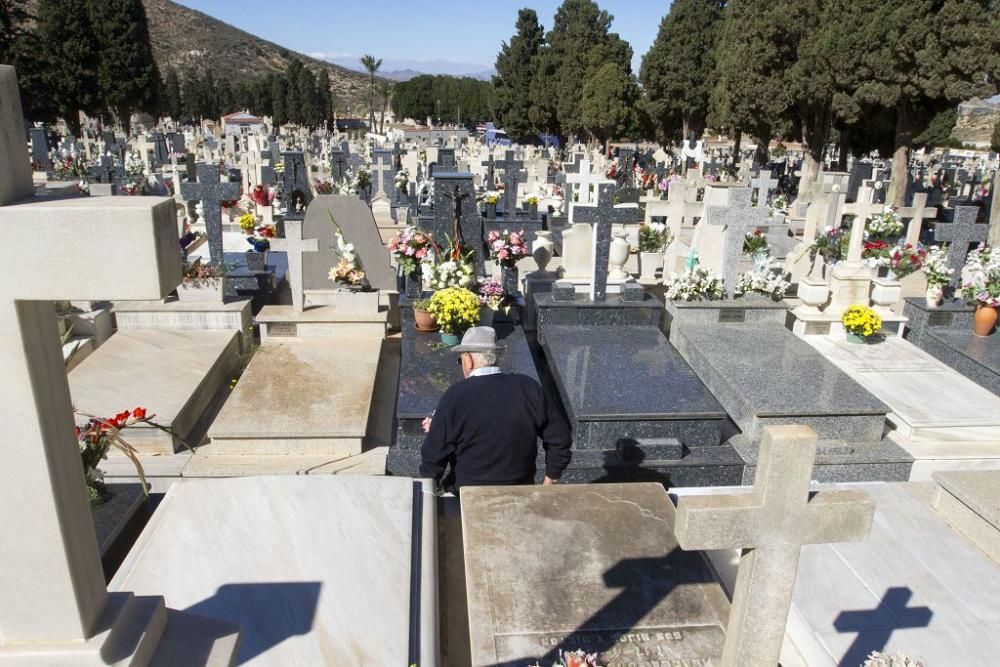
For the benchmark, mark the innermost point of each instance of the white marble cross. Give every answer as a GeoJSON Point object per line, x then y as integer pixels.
{"type": "Point", "coordinates": [295, 246]}
{"type": "Point", "coordinates": [771, 524]}
{"type": "Point", "coordinates": [916, 214]}
{"type": "Point", "coordinates": [862, 209]}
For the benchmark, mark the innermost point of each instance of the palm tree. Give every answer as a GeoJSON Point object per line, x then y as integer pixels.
{"type": "Point", "coordinates": [385, 96]}
{"type": "Point", "coordinates": [371, 64]}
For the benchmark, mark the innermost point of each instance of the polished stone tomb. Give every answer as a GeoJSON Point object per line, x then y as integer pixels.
{"type": "Point", "coordinates": [566, 568]}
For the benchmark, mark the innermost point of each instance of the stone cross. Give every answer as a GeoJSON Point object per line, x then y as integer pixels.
{"type": "Point", "coordinates": [295, 246]}
{"type": "Point", "coordinates": [54, 604]}
{"type": "Point", "coordinates": [916, 214]}
{"type": "Point", "coordinates": [383, 174]}
{"type": "Point", "coordinates": [961, 233]}
{"type": "Point", "coordinates": [763, 184]}
{"type": "Point", "coordinates": [738, 219]}
{"type": "Point", "coordinates": [603, 217]}
{"type": "Point", "coordinates": [338, 162]}
{"type": "Point", "coordinates": [490, 165]}
{"type": "Point", "coordinates": [771, 524]}
{"type": "Point", "coordinates": [468, 228]}
{"type": "Point", "coordinates": [511, 177]}
{"type": "Point", "coordinates": [211, 192]}
{"type": "Point", "coordinates": [861, 210]}
{"type": "Point", "coordinates": [295, 184]}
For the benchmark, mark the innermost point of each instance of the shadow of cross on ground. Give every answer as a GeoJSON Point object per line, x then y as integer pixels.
{"type": "Point", "coordinates": [875, 626]}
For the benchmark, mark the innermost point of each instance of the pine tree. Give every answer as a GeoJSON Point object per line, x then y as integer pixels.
{"type": "Point", "coordinates": [279, 101]}
{"type": "Point", "coordinates": [192, 104]}
{"type": "Point", "coordinates": [676, 73]}
{"type": "Point", "coordinates": [209, 95]}
{"type": "Point", "coordinates": [608, 101]}
{"type": "Point", "coordinates": [127, 74]}
{"type": "Point", "coordinates": [13, 17]}
{"type": "Point", "coordinates": [69, 55]}
{"type": "Point", "coordinates": [515, 68]}
{"type": "Point", "coordinates": [581, 44]}
{"type": "Point", "coordinates": [172, 104]}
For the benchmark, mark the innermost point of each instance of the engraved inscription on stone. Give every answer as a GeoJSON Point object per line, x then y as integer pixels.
{"type": "Point", "coordinates": [817, 328]}
{"type": "Point", "coordinates": [732, 315]}
{"type": "Point", "coordinates": [648, 647]}
{"type": "Point", "coordinates": [282, 330]}
{"type": "Point", "coordinates": [940, 319]}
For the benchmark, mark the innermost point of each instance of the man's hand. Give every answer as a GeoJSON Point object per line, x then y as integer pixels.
{"type": "Point", "coordinates": [549, 481]}
{"type": "Point", "coordinates": [426, 425]}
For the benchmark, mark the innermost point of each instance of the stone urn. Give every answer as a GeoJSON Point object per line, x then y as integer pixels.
{"type": "Point", "coordinates": [985, 321]}
{"type": "Point", "coordinates": [542, 249]}
{"type": "Point", "coordinates": [885, 294]}
{"type": "Point", "coordinates": [649, 264]}
{"type": "Point", "coordinates": [813, 293]}
{"type": "Point", "coordinates": [618, 256]}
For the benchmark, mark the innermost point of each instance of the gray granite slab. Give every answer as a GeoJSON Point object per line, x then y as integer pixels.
{"type": "Point", "coordinates": [744, 310]}
{"type": "Point", "coordinates": [952, 314]}
{"type": "Point", "coordinates": [582, 311]}
{"type": "Point", "coordinates": [841, 461]}
{"type": "Point", "coordinates": [764, 375]}
{"type": "Point", "coordinates": [976, 358]}
{"type": "Point", "coordinates": [597, 568]}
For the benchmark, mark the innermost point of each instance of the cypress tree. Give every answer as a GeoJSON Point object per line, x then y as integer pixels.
{"type": "Point", "coordinates": [172, 104]}
{"type": "Point", "coordinates": [515, 68]}
{"type": "Point", "coordinates": [324, 96]}
{"type": "Point", "coordinates": [127, 74]}
{"type": "Point", "coordinates": [69, 55]}
{"type": "Point", "coordinates": [608, 100]}
{"type": "Point", "coordinates": [676, 73]}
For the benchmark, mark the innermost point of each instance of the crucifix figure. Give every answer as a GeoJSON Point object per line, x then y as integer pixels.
{"type": "Point", "coordinates": [771, 524]}
{"type": "Point", "coordinates": [466, 230]}
{"type": "Point", "coordinates": [961, 233]}
{"type": "Point", "coordinates": [211, 192]}
{"type": "Point", "coordinates": [490, 165]}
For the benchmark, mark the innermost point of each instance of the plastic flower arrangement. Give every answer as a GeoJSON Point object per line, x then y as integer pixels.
{"type": "Point", "coordinates": [363, 180]}
{"type": "Point", "coordinates": [611, 173]}
{"type": "Point", "coordinates": [575, 659]}
{"type": "Point", "coordinates": [907, 259]}
{"type": "Point", "coordinates": [507, 248]}
{"type": "Point", "coordinates": [654, 237]}
{"type": "Point", "coordinates": [531, 201]}
{"type": "Point", "coordinates": [348, 270]}
{"type": "Point", "coordinates": [455, 309]}
{"type": "Point", "coordinates": [491, 294]}
{"type": "Point", "coordinates": [861, 321]}
{"type": "Point", "coordinates": [981, 276]}
{"type": "Point", "coordinates": [323, 187]}
{"type": "Point", "coordinates": [262, 196]}
{"type": "Point", "coordinates": [779, 203]}
{"type": "Point", "coordinates": [936, 267]}
{"type": "Point", "coordinates": [766, 282]}
{"type": "Point", "coordinates": [410, 246]}
{"type": "Point", "coordinates": [248, 223]}
{"type": "Point", "coordinates": [491, 197]}
{"type": "Point", "coordinates": [451, 273]}
{"type": "Point", "coordinates": [261, 238]}
{"type": "Point", "coordinates": [401, 180]}
{"type": "Point", "coordinates": [885, 225]}
{"type": "Point", "coordinates": [98, 436]}
{"type": "Point", "coordinates": [830, 245]}
{"type": "Point", "coordinates": [877, 254]}
{"type": "Point", "coordinates": [693, 285]}
{"type": "Point", "coordinates": [755, 242]}
{"type": "Point", "coordinates": [134, 165]}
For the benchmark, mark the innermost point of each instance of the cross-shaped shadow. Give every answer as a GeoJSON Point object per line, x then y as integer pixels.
{"type": "Point", "coordinates": [875, 627]}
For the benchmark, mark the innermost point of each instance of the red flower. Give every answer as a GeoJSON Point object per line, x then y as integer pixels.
{"type": "Point", "coordinates": [139, 413]}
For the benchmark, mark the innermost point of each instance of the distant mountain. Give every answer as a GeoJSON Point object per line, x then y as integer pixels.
{"type": "Point", "coordinates": [190, 40]}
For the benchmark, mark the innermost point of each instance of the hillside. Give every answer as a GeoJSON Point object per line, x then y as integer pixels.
{"type": "Point", "coordinates": [976, 119]}
{"type": "Point", "coordinates": [187, 39]}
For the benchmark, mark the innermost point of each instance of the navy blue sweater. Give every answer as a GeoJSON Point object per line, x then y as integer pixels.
{"type": "Point", "coordinates": [487, 428]}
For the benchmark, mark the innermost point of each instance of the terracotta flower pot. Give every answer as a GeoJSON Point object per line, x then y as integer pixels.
{"type": "Point", "coordinates": [985, 322]}
{"type": "Point", "coordinates": [424, 321]}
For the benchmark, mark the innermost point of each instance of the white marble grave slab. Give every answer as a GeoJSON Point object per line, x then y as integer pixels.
{"type": "Point", "coordinates": [315, 570]}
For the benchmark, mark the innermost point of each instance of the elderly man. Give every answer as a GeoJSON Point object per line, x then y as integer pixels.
{"type": "Point", "coordinates": [487, 426]}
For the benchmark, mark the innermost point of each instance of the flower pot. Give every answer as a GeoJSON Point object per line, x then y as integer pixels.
{"type": "Point", "coordinates": [486, 316]}
{"type": "Point", "coordinates": [424, 321]}
{"type": "Point", "coordinates": [451, 340]}
{"type": "Point", "coordinates": [934, 296]}
{"type": "Point", "coordinates": [256, 261]}
{"type": "Point", "coordinates": [856, 339]}
{"type": "Point", "coordinates": [201, 290]}
{"type": "Point", "coordinates": [649, 264]}
{"type": "Point", "coordinates": [508, 275]}
{"type": "Point", "coordinates": [542, 249]}
{"type": "Point", "coordinates": [985, 321]}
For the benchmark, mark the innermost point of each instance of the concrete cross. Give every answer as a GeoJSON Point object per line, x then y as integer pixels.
{"type": "Point", "coordinates": [875, 627]}
{"type": "Point", "coordinates": [916, 214]}
{"type": "Point", "coordinates": [295, 246]}
{"type": "Point", "coordinates": [862, 209]}
{"type": "Point", "coordinates": [827, 208]}
{"type": "Point", "coordinates": [738, 219]}
{"type": "Point", "coordinates": [381, 171]}
{"type": "Point", "coordinates": [771, 524]}
{"type": "Point", "coordinates": [511, 177]}
{"type": "Point", "coordinates": [763, 184]}
{"type": "Point", "coordinates": [490, 165]}
{"type": "Point", "coordinates": [603, 216]}
{"type": "Point", "coordinates": [338, 164]}
{"type": "Point", "coordinates": [211, 192]}
{"type": "Point", "coordinates": [54, 604]}
{"type": "Point", "coordinates": [961, 233]}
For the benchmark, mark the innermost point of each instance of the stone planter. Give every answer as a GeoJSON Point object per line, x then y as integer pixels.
{"type": "Point", "coordinates": [256, 261]}
{"type": "Point", "coordinates": [649, 264]}
{"type": "Point", "coordinates": [533, 210]}
{"type": "Point", "coordinates": [813, 294]}
{"type": "Point", "coordinates": [885, 294]}
{"type": "Point", "coordinates": [201, 290]}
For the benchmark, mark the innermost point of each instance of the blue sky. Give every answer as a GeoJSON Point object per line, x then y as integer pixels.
{"type": "Point", "coordinates": [433, 36]}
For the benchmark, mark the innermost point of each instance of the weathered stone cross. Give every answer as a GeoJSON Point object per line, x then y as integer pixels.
{"type": "Point", "coordinates": [490, 165]}
{"type": "Point", "coordinates": [603, 216]}
{"type": "Point", "coordinates": [916, 214]}
{"type": "Point", "coordinates": [771, 524]}
{"type": "Point", "coordinates": [763, 184]}
{"type": "Point", "coordinates": [212, 193]}
{"type": "Point", "coordinates": [295, 246]}
{"type": "Point", "coordinates": [511, 177]}
{"type": "Point", "coordinates": [382, 168]}
{"type": "Point", "coordinates": [961, 233]}
{"type": "Point", "coordinates": [738, 220]}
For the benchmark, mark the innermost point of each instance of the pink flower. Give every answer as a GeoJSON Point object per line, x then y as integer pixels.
{"type": "Point", "coordinates": [503, 254]}
{"type": "Point", "coordinates": [421, 253]}
{"type": "Point", "coordinates": [515, 238]}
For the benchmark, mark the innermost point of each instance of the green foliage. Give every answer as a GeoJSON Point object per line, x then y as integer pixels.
{"type": "Point", "coordinates": [606, 109]}
{"type": "Point", "coordinates": [515, 67]}
{"type": "Point", "coordinates": [126, 72]}
{"type": "Point", "coordinates": [68, 58]}
{"type": "Point", "coordinates": [172, 101]}
{"type": "Point", "coordinates": [938, 131]}
{"type": "Point", "coordinates": [677, 71]}
{"type": "Point", "coordinates": [372, 65]}
{"type": "Point", "coordinates": [13, 20]}
{"type": "Point", "coordinates": [448, 98]}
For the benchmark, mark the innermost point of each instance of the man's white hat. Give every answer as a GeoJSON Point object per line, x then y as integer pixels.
{"type": "Point", "coordinates": [477, 339]}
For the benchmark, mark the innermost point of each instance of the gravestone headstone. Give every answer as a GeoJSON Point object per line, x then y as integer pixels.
{"type": "Point", "coordinates": [456, 215]}
{"type": "Point", "coordinates": [603, 216]}
{"type": "Point", "coordinates": [296, 190]}
{"type": "Point", "coordinates": [40, 148]}
{"type": "Point", "coordinates": [961, 233]}
{"type": "Point", "coordinates": [211, 193]}
{"type": "Point", "coordinates": [358, 224]}
{"type": "Point", "coordinates": [512, 176]}
{"type": "Point", "coordinates": [737, 220]}
{"type": "Point", "coordinates": [295, 246]}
